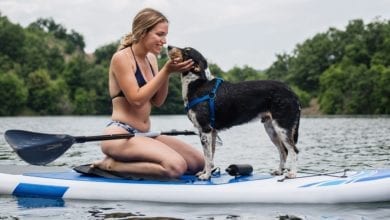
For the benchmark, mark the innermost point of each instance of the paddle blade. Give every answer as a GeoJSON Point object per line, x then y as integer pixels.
{"type": "Point", "coordinates": [38, 148]}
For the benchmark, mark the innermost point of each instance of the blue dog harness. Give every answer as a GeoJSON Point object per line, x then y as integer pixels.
{"type": "Point", "coordinates": [209, 97]}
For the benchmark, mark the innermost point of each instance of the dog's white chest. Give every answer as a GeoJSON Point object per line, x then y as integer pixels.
{"type": "Point", "coordinates": [185, 81]}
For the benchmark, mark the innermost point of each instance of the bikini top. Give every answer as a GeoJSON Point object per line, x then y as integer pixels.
{"type": "Point", "coordinates": [138, 75]}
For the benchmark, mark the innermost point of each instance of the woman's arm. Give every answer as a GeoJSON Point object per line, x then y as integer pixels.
{"type": "Point", "coordinates": [159, 98]}
{"type": "Point", "coordinates": [138, 96]}
{"type": "Point", "coordinates": [124, 72]}
{"type": "Point", "coordinates": [169, 67]}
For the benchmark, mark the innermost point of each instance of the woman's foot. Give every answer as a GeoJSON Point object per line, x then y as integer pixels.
{"type": "Point", "coordinates": [105, 164]}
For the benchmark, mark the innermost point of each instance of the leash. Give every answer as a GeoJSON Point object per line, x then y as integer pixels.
{"type": "Point", "coordinates": [210, 98]}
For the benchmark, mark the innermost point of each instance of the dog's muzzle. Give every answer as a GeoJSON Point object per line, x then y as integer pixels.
{"type": "Point", "coordinates": [175, 54]}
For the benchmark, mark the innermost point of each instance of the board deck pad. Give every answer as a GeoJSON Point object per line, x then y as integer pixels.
{"type": "Point", "coordinates": [89, 170]}
{"type": "Point", "coordinates": [217, 179]}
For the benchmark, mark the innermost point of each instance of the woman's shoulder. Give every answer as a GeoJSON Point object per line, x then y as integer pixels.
{"type": "Point", "coordinates": [121, 60]}
{"type": "Point", "coordinates": [120, 56]}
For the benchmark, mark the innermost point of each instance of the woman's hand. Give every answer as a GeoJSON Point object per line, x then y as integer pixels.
{"type": "Point", "coordinates": [177, 66]}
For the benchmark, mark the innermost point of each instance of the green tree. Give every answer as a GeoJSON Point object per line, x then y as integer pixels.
{"type": "Point", "coordinates": [76, 39]}
{"type": "Point", "coordinates": [103, 54]}
{"type": "Point", "coordinates": [174, 102]}
{"type": "Point", "coordinates": [11, 39]}
{"type": "Point", "coordinates": [64, 104]}
{"type": "Point", "coordinates": [55, 62]}
{"type": "Point", "coordinates": [35, 55]}
{"type": "Point", "coordinates": [311, 59]}
{"type": "Point", "coordinates": [347, 70]}
{"type": "Point", "coordinates": [340, 67]}
{"type": "Point", "coordinates": [84, 102]}
{"type": "Point", "coordinates": [74, 74]}
{"type": "Point", "coordinates": [45, 95]}
{"type": "Point", "coordinates": [237, 74]}
{"type": "Point", "coordinates": [73, 40]}
{"type": "Point", "coordinates": [216, 70]}
{"type": "Point", "coordinates": [279, 70]}
{"type": "Point", "coordinates": [7, 65]}
{"type": "Point", "coordinates": [382, 90]}
{"type": "Point", "coordinates": [13, 94]}
{"type": "Point", "coordinates": [97, 84]}
{"type": "Point", "coordinates": [350, 89]}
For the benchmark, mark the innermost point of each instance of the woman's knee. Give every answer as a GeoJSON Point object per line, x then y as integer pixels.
{"type": "Point", "coordinates": [199, 166]}
{"type": "Point", "coordinates": [114, 150]}
{"type": "Point", "coordinates": [174, 168]}
{"type": "Point", "coordinates": [107, 149]}
{"type": "Point", "coordinates": [195, 163]}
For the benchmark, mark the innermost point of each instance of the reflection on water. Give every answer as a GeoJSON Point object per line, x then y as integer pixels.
{"type": "Point", "coordinates": [33, 202]}
{"type": "Point", "coordinates": [325, 144]}
{"type": "Point", "coordinates": [142, 210]}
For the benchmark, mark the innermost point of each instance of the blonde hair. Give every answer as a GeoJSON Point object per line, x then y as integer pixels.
{"type": "Point", "coordinates": [143, 22]}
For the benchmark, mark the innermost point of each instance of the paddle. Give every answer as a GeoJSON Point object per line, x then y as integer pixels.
{"type": "Point", "coordinates": [40, 149]}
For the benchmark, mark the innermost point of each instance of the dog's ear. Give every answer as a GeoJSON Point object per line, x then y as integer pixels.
{"type": "Point", "coordinates": [170, 47]}
{"type": "Point", "coordinates": [200, 62]}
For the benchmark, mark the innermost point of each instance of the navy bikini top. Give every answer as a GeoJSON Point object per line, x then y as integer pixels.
{"type": "Point", "coordinates": [138, 75]}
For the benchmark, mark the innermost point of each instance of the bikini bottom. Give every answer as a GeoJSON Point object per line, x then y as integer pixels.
{"type": "Point", "coordinates": [125, 126]}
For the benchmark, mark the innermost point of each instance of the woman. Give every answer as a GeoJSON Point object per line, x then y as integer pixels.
{"type": "Point", "coordinates": [135, 84]}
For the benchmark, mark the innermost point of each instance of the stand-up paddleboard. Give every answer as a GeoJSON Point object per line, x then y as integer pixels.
{"type": "Point", "coordinates": [54, 182]}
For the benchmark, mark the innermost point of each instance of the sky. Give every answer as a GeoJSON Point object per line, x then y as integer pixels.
{"type": "Point", "coordinates": [228, 33]}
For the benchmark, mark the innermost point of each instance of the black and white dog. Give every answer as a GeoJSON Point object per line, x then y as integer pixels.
{"type": "Point", "coordinates": [214, 105]}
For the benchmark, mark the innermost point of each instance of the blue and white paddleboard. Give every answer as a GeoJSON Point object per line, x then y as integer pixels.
{"type": "Point", "coordinates": [53, 182]}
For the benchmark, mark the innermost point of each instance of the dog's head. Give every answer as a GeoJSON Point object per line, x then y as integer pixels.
{"type": "Point", "coordinates": [200, 67]}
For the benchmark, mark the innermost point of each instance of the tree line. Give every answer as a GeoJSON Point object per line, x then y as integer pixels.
{"type": "Point", "coordinates": [348, 71]}
{"type": "Point", "coordinates": [44, 70]}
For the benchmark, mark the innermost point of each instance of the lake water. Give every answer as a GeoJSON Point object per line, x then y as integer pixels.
{"type": "Point", "coordinates": [325, 144]}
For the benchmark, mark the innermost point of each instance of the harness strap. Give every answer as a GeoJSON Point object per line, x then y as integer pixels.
{"type": "Point", "coordinates": [209, 97]}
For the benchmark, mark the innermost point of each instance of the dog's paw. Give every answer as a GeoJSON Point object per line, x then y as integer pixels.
{"type": "Point", "coordinates": [204, 176]}
{"type": "Point", "coordinates": [291, 175]}
{"type": "Point", "coordinates": [200, 173]}
{"type": "Point", "coordinates": [277, 173]}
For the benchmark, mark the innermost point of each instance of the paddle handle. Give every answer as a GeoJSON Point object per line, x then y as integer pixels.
{"type": "Point", "coordinates": [174, 132]}
{"type": "Point", "coordinates": [82, 139]}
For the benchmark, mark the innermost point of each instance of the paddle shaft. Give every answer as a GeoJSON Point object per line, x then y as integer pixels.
{"type": "Point", "coordinates": [82, 139]}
